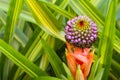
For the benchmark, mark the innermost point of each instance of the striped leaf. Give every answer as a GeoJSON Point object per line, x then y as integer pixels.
{"type": "Point", "coordinates": [20, 60]}
{"type": "Point", "coordinates": [32, 48]}
{"type": "Point", "coordinates": [107, 39]}
{"type": "Point", "coordinates": [54, 60]}
{"type": "Point", "coordinates": [49, 22]}
{"type": "Point", "coordinates": [58, 9]}
{"type": "Point", "coordinates": [13, 14]}
{"type": "Point", "coordinates": [46, 78]}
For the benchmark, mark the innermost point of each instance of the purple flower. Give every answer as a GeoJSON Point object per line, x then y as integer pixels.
{"type": "Point", "coordinates": [81, 31]}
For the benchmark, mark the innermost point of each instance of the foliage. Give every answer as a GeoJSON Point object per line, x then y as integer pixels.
{"type": "Point", "coordinates": [32, 43]}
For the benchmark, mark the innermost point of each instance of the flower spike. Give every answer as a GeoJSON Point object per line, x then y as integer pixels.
{"type": "Point", "coordinates": [81, 33]}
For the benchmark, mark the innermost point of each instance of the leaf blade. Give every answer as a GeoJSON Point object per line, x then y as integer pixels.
{"type": "Point", "coordinates": [106, 43]}
{"type": "Point", "coordinates": [54, 59]}
{"type": "Point", "coordinates": [20, 60]}
{"type": "Point", "coordinates": [49, 21]}
{"type": "Point", "coordinates": [13, 13]}
{"type": "Point", "coordinates": [58, 9]}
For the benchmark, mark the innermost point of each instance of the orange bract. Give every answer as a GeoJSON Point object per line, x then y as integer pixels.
{"type": "Point", "coordinates": [79, 56]}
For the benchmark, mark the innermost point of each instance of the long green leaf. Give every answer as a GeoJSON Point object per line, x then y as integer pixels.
{"type": "Point", "coordinates": [113, 76]}
{"type": "Point", "coordinates": [26, 15]}
{"type": "Point", "coordinates": [54, 59]}
{"type": "Point", "coordinates": [97, 3]}
{"type": "Point", "coordinates": [93, 70]}
{"type": "Point", "coordinates": [13, 14]}
{"type": "Point", "coordinates": [63, 6]}
{"type": "Point", "coordinates": [33, 47]}
{"type": "Point", "coordinates": [67, 70]}
{"type": "Point", "coordinates": [99, 75]}
{"type": "Point", "coordinates": [20, 60]}
{"type": "Point", "coordinates": [46, 78]}
{"type": "Point", "coordinates": [58, 9]}
{"type": "Point", "coordinates": [44, 62]}
{"type": "Point", "coordinates": [2, 17]}
{"type": "Point", "coordinates": [116, 44]}
{"type": "Point", "coordinates": [115, 68]}
{"type": "Point", "coordinates": [20, 37]}
{"type": "Point", "coordinates": [107, 39]}
{"type": "Point", "coordinates": [49, 22]}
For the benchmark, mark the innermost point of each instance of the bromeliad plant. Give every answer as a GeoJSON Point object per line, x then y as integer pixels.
{"type": "Point", "coordinates": [81, 32]}
{"type": "Point", "coordinates": [33, 35]}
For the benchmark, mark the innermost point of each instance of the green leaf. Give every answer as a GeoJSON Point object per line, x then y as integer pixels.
{"type": "Point", "coordinates": [64, 4]}
{"type": "Point", "coordinates": [49, 22]}
{"type": "Point", "coordinates": [46, 78]}
{"type": "Point", "coordinates": [58, 9]}
{"type": "Point", "coordinates": [20, 60]}
{"type": "Point", "coordinates": [106, 42]}
{"type": "Point", "coordinates": [44, 62]}
{"type": "Point", "coordinates": [24, 14]}
{"type": "Point", "coordinates": [67, 70]}
{"type": "Point", "coordinates": [13, 14]}
{"type": "Point", "coordinates": [2, 17]}
{"type": "Point", "coordinates": [116, 44]}
{"type": "Point", "coordinates": [99, 75]}
{"type": "Point", "coordinates": [103, 9]}
{"type": "Point", "coordinates": [113, 76]}
{"type": "Point", "coordinates": [94, 70]}
{"type": "Point", "coordinates": [20, 37]}
{"type": "Point", "coordinates": [54, 59]}
{"type": "Point", "coordinates": [33, 47]}
{"type": "Point", "coordinates": [115, 67]}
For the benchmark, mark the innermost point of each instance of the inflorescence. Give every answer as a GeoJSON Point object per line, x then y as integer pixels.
{"type": "Point", "coordinates": [81, 31]}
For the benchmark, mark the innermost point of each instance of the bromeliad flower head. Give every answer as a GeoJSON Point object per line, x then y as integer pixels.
{"type": "Point", "coordinates": [81, 31]}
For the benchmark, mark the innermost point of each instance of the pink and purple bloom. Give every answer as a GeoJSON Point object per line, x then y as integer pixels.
{"type": "Point", "coordinates": [81, 33]}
